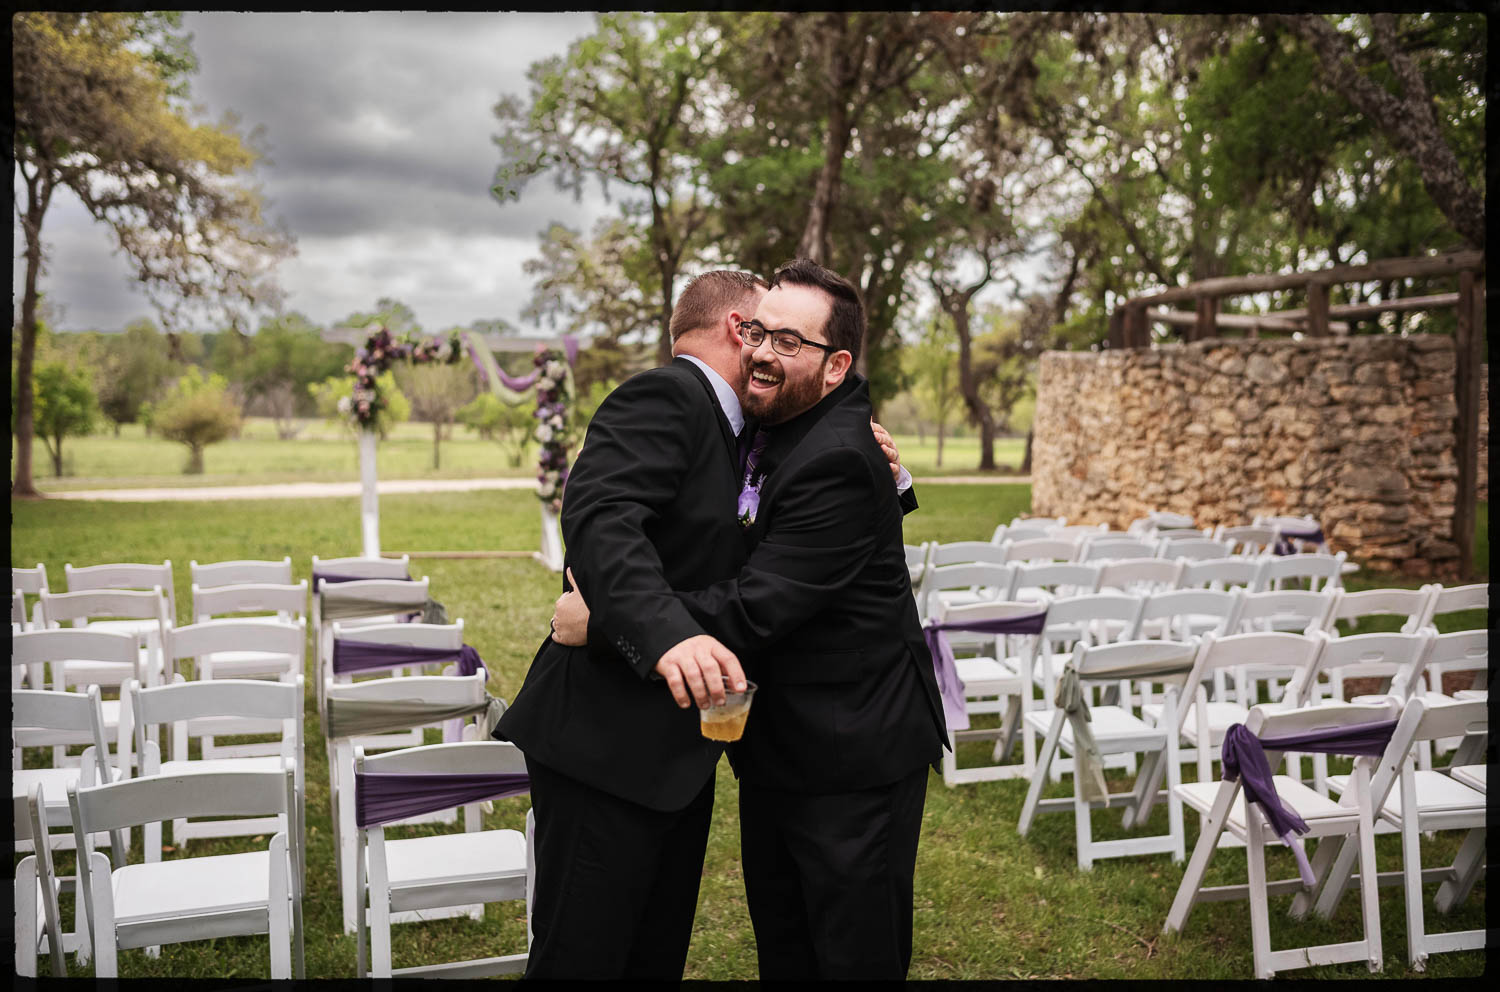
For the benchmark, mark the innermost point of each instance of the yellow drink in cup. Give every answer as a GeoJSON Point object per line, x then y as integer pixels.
{"type": "Point", "coordinates": [727, 722]}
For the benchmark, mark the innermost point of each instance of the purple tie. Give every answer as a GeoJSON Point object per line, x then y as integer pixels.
{"type": "Point", "coordinates": [751, 447]}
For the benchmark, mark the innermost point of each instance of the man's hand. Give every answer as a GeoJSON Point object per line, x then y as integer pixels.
{"type": "Point", "coordinates": [570, 617]}
{"type": "Point", "coordinates": [700, 665]}
{"type": "Point", "coordinates": [887, 445]}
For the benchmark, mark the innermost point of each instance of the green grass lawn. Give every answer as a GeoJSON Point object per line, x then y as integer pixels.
{"type": "Point", "coordinates": [323, 452]}
{"type": "Point", "coordinates": [989, 903]}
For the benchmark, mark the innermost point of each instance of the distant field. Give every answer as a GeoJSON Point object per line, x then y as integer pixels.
{"type": "Point", "coordinates": [322, 452]}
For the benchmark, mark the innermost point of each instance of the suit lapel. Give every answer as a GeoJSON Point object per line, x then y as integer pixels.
{"type": "Point", "coordinates": [785, 440]}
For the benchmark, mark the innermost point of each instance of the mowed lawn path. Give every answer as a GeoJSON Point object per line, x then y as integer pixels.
{"type": "Point", "coordinates": [989, 903]}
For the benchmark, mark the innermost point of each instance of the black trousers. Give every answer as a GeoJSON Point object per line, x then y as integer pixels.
{"type": "Point", "coordinates": [616, 883]}
{"type": "Point", "coordinates": [828, 879]}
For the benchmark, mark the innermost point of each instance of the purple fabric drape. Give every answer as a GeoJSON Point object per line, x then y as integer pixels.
{"type": "Point", "coordinates": [1244, 757]}
{"type": "Point", "coordinates": [570, 347]}
{"type": "Point", "coordinates": [949, 685]}
{"type": "Point", "coordinates": [367, 656]}
{"type": "Point", "coordinates": [340, 577]}
{"type": "Point", "coordinates": [1313, 535]}
{"type": "Point", "coordinates": [381, 797]}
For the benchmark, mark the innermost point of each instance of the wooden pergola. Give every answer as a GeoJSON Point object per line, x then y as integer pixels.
{"type": "Point", "coordinates": [1130, 327]}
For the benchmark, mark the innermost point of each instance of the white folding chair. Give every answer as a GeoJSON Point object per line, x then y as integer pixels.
{"type": "Point", "coordinates": [446, 870]}
{"type": "Point", "coordinates": [1139, 576]}
{"type": "Point", "coordinates": [1077, 532]}
{"type": "Point", "coordinates": [993, 684]}
{"type": "Point", "coordinates": [963, 552]}
{"type": "Point", "coordinates": [1203, 722]}
{"type": "Point", "coordinates": [1276, 569]}
{"type": "Point", "coordinates": [422, 636]}
{"type": "Point", "coordinates": [413, 701]}
{"type": "Point", "coordinates": [238, 648]}
{"type": "Point", "coordinates": [168, 902]}
{"type": "Point", "coordinates": [1193, 548]}
{"type": "Point", "coordinates": [359, 603]}
{"type": "Point", "coordinates": [1009, 532]}
{"type": "Point", "coordinates": [1051, 580]}
{"type": "Point", "coordinates": [1442, 802]}
{"type": "Point", "coordinates": [1111, 548]}
{"type": "Point", "coordinates": [125, 575]}
{"type": "Point", "coordinates": [1451, 599]}
{"type": "Point", "coordinates": [66, 651]}
{"type": "Point", "coordinates": [1043, 522]}
{"type": "Point", "coordinates": [238, 573]}
{"type": "Point", "coordinates": [1352, 607]}
{"type": "Point", "coordinates": [145, 616]}
{"type": "Point", "coordinates": [1220, 573]}
{"type": "Point", "coordinates": [269, 601]}
{"type": "Point", "coordinates": [1093, 618]}
{"type": "Point", "coordinates": [27, 582]}
{"type": "Point", "coordinates": [961, 585]}
{"type": "Point", "coordinates": [361, 567]}
{"type": "Point", "coordinates": [1295, 610]}
{"type": "Point", "coordinates": [38, 915]}
{"type": "Point", "coordinates": [1249, 540]}
{"type": "Point", "coordinates": [225, 706]}
{"type": "Point", "coordinates": [1222, 807]}
{"type": "Point", "coordinates": [1183, 614]}
{"type": "Point", "coordinates": [1041, 549]}
{"type": "Point", "coordinates": [1116, 730]}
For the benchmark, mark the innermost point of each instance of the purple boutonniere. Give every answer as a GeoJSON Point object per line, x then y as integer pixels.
{"type": "Point", "coordinates": [749, 503]}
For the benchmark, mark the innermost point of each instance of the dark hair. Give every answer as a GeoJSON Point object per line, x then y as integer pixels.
{"type": "Point", "coordinates": [846, 321]}
{"type": "Point", "coordinates": [711, 295]}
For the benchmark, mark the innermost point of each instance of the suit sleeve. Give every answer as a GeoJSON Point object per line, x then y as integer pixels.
{"type": "Point", "coordinates": [908, 499]}
{"type": "Point", "coordinates": [819, 542]}
{"type": "Point", "coordinates": [633, 463]}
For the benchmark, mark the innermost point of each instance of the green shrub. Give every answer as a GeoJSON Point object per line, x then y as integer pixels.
{"type": "Point", "coordinates": [197, 412]}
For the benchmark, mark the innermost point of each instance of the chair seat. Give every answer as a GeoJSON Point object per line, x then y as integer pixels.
{"type": "Point", "coordinates": [87, 672]}
{"type": "Point", "coordinates": [257, 763]}
{"type": "Point", "coordinates": [1113, 727]}
{"type": "Point", "coordinates": [164, 889]}
{"type": "Point", "coordinates": [974, 671]}
{"type": "Point", "coordinates": [1471, 775]}
{"type": "Point", "coordinates": [1221, 716]}
{"type": "Point", "coordinates": [135, 627]}
{"type": "Point", "coordinates": [1059, 660]}
{"type": "Point", "coordinates": [1295, 796]}
{"type": "Point", "coordinates": [54, 782]}
{"type": "Point", "coordinates": [453, 858]}
{"type": "Point", "coordinates": [1468, 695]}
{"type": "Point", "coordinates": [233, 664]}
{"type": "Point", "coordinates": [1436, 793]}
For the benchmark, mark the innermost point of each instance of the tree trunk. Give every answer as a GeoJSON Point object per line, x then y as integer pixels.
{"type": "Point", "coordinates": [195, 459]}
{"type": "Point", "coordinates": [986, 443]}
{"type": "Point", "coordinates": [979, 412]}
{"type": "Point", "coordinates": [1026, 456]}
{"type": "Point", "coordinates": [814, 243]}
{"type": "Point", "coordinates": [38, 192]}
{"type": "Point", "coordinates": [55, 450]}
{"type": "Point", "coordinates": [437, 439]}
{"type": "Point", "coordinates": [940, 444]}
{"type": "Point", "coordinates": [117, 428]}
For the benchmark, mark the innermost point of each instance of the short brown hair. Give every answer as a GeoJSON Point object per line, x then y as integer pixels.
{"type": "Point", "coordinates": [846, 320]}
{"type": "Point", "coordinates": [711, 295]}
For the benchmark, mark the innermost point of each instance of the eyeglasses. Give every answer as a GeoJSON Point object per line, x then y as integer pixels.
{"type": "Point", "coordinates": [784, 342]}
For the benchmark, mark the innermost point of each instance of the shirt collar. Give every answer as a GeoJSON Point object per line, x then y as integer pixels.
{"type": "Point", "coordinates": [729, 400]}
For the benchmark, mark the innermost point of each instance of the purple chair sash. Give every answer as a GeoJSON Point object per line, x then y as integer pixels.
{"type": "Point", "coordinates": [950, 687]}
{"type": "Point", "coordinates": [1244, 757]}
{"type": "Point", "coordinates": [367, 656]}
{"type": "Point", "coordinates": [381, 797]}
{"type": "Point", "coordinates": [1313, 535]}
{"type": "Point", "coordinates": [341, 577]}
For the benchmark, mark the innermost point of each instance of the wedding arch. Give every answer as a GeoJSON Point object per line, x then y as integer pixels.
{"type": "Point", "coordinates": [549, 385]}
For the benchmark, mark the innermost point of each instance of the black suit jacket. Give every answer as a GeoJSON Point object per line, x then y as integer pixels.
{"type": "Point", "coordinates": [649, 508]}
{"type": "Point", "coordinates": [823, 614]}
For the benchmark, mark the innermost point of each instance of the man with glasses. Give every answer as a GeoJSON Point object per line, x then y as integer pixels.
{"type": "Point", "coordinates": [621, 779]}
{"type": "Point", "coordinates": [847, 717]}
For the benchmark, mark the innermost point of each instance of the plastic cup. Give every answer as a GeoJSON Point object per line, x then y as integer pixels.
{"type": "Point", "coordinates": [726, 722]}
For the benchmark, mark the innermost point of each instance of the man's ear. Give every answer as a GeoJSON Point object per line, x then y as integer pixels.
{"type": "Point", "coordinates": [838, 366]}
{"type": "Point", "coordinates": [732, 322]}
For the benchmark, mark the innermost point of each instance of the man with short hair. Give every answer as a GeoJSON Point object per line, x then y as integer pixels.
{"type": "Point", "coordinates": [847, 717]}
{"type": "Point", "coordinates": [621, 778]}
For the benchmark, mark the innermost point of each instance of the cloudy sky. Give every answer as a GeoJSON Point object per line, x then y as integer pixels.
{"type": "Point", "coordinates": [379, 128]}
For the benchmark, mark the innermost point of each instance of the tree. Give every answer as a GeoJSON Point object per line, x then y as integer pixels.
{"type": "Point", "coordinates": [134, 368]}
{"type": "Point", "coordinates": [509, 424]}
{"type": "Point", "coordinates": [197, 412]}
{"type": "Point", "coordinates": [932, 365]}
{"type": "Point", "coordinates": [100, 110]}
{"type": "Point", "coordinates": [283, 358]}
{"type": "Point", "coordinates": [65, 407]}
{"type": "Point", "coordinates": [622, 106]}
{"type": "Point", "coordinates": [436, 391]}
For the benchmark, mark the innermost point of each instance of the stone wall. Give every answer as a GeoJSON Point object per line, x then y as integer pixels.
{"type": "Point", "coordinates": [1356, 431]}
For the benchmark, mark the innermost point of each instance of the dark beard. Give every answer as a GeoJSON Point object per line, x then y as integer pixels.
{"type": "Point", "coordinates": [790, 400]}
